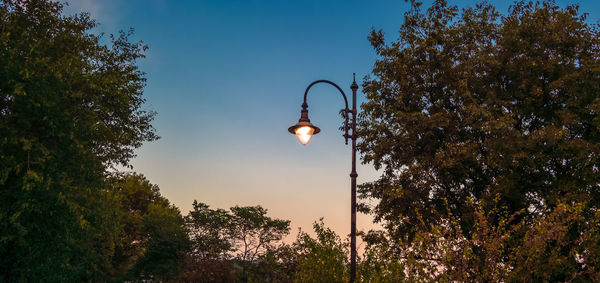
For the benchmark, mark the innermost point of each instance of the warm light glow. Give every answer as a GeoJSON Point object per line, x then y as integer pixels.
{"type": "Point", "coordinates": [304, 134]}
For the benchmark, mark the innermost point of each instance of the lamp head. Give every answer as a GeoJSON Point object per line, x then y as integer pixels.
{"type": "Point", "coordinates": [304, 130]}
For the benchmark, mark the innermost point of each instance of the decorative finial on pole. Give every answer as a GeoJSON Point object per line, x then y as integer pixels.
{"type": "Point", "coordinates": [354, 86]}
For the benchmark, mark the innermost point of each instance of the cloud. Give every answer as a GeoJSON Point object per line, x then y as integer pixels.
{"type": "Point", "coordinates": [100, 10]}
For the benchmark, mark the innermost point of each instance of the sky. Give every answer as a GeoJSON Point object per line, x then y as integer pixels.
{"type": "Point", "coordinates": [226, 79]}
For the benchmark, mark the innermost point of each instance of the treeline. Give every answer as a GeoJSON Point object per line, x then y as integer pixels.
{"type": "Point", "coordinates": [242, 244]}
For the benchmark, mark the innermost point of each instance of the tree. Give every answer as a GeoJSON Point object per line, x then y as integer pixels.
{"type": "Point", "coordinates": [379, 262]}
{"type": "Point", "coordinates": [166, 244]}
{"type": "Point", "coordinates": [70, 109]}
{"type": "Point", "coordinates": [321, 259]}
{"type": "Point", "coordinates": [252, 234]}
{"type": "Point", "coordinates": [276, 265]}
{"type": "Point", "coordinates": [211, 246]}
{"type": "Point", "coordinates": [499, 249]}
{"type": "Point", "coordinates": [154, 239]}
{"type": "Point", "coordinates": [209, 231]}
{"type": "Point", "coordinates": [498, 111]}
{"type": "Point", "coordinates": [245, 234]}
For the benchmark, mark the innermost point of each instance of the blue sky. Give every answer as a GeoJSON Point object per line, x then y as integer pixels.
{"type": "Point", "coordinates": [227, 78]}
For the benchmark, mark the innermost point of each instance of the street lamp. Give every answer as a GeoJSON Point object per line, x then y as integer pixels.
{"type": "Point", "coordinates": [304, 130]}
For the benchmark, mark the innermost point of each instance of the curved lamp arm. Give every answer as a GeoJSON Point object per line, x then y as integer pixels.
{"type": "Point", "coordinates": [331, 83]}
{"type": "Point", "coordinates": [347, 109]}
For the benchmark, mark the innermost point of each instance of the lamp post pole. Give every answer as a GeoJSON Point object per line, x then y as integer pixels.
{"type": "Point", "coordinates": [353, 176]}
{"type": "Point", "coordinates": [304, 131]}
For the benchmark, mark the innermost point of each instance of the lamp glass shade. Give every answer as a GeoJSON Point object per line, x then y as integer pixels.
{"type": "Point", "coordinates": [304, 134]}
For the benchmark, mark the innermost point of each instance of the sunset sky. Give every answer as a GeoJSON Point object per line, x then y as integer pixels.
{"type": "Point", "coordinates": [227, 78]}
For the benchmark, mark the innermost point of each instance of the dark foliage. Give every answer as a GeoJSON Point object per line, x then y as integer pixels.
{"type": "Point", "coordinates": [472, 110]}
{"type": "Point", "coordinates": [70, 108]}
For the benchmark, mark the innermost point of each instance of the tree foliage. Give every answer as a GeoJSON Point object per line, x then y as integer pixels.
{"type": "Point", "coordinates": [238, 244]}
{"type": "Point", "coordinates": [379, 262]}
{"type": "Point", "coordinates": [153, 240]}
{"type": "Point", "coordinates": [562, 246]}
{"type": "Point", "coordinates": [252, 233]}
{"type": "Point", "coordinates": [501, 111]}
{"type": "Point", "coordinates": [321, 259]}
{"type": "Point", "coordinates": [70, 108]}
{"type": "Point", "coordinates": [209, 229]}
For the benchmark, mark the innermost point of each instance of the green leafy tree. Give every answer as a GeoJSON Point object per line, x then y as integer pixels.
{"type": "Point", "coordinates": [209, 260]}
{"type": "Point", "coordinates": [563, 245]}
{"type": "Point", "coordinates": [70, 108]}
{"type": "Point", "coordinates": [276, 265]}
{"type": "Point", "coordinates": [252, 233]}
{"type": "Point", "coordinates": [321, 259]}
{"type": "Point", "coordinates": [209, 231]}
{"type": "Point", "coordinates": [502, 111]}
{"type": "Point", "coordinates": [154, 239]}
{"type": "Point", "coordinates": [166, 244]}
{"type": "Point", "coordinates": [379, 262]}
{"type": "Point", "coordinates": [499, 249]}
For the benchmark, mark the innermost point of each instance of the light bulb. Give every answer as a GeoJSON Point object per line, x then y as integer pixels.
{"type": "Point", "coordinates": [304, 134]}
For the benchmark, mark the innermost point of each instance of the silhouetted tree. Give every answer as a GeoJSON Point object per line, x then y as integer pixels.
{"type": "Point", "coordinates": [209, 230]}
{"type": "Point", "coordinates": [225, 240]}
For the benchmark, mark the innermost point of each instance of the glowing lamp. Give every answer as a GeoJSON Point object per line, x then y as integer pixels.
{"type": "Point", "coordinates": [304, 130]}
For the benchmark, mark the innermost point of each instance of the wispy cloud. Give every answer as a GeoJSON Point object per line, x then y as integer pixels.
{"type": "Point", "coordinates": [100, 10]}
